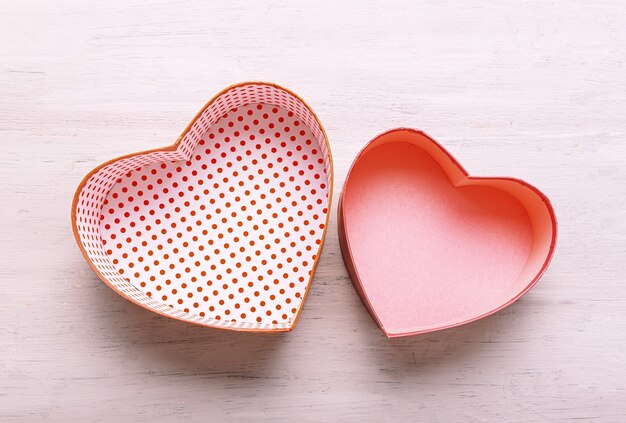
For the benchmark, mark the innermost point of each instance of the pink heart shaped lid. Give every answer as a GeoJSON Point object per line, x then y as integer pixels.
{"type": "Point", "coordinates": [428, 246]}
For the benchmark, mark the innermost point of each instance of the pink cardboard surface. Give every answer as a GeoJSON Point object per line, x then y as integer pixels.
{"type": "Point", "coordinates": [429, 247]}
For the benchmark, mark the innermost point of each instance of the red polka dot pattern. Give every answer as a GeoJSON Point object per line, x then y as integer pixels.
{"type": "Point", "coordinates": [232, 232]}
{"type": "Point", "coordinates": [226, 230]}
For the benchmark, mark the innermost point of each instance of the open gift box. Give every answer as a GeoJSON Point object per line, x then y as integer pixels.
{"type": "Point", "coordinates": [225, 227]}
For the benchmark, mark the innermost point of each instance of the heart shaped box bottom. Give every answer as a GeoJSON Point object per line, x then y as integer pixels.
{"type": "Point", "coordinates": [224, 228]}
{"type": "Point", "coordinates": [429, 247]}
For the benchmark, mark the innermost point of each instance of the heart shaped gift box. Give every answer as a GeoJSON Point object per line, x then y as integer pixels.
{"type": "Point", "coordinates": [429, 247]}
{"type": "Point", "coordinates": [224, 228]}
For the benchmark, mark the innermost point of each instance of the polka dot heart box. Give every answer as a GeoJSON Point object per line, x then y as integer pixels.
{"type": "Point", "coordinates": [428, 246]}
{"type": "Point", "coordinates": [224, 228]}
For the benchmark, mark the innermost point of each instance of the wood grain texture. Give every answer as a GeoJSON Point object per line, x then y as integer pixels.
{"type": "Point", "coordinates": [535, 90]}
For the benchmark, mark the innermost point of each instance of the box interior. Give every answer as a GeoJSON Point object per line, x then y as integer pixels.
{"type": "Point", "coordinates": [224, 229]}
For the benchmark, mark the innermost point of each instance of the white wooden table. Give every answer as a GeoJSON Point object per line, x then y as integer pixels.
{"type": "Point", "coordinates": [535, 90]}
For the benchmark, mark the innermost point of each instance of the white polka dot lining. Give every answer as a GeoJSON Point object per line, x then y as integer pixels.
{"type": "Point", "coordinates": [225, 230]}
